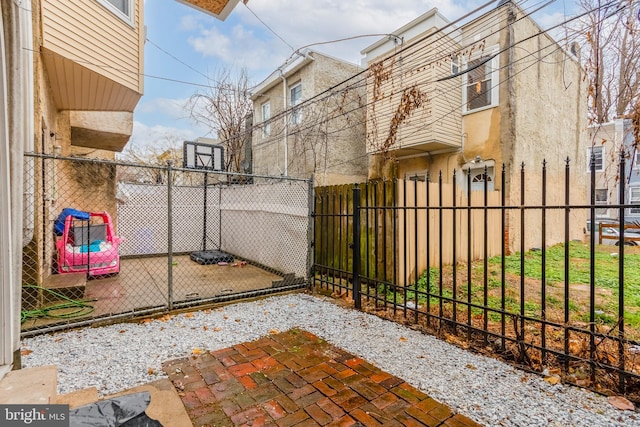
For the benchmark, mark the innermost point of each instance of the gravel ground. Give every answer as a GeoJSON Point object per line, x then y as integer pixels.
{"type": "Point", "coordinates": [118, 357]}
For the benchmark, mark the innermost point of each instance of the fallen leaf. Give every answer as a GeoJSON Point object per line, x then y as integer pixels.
{"type": "Point", "coordinates": [403, 339]}
{"type": "Point", "coordinates": [217, 329]}
{"type": "Point", "coordinates": [122, 331]}
{"type": "Point", "coordinates": [207, 311]}
{"type": "Point", "coordinates": [225, 317]}
{"type": "Point", "coordinates": [197, 351]}
{"type": "Point", "coordinates": [470, 366]}
{"type": "Point", "coordinates": [238, 320]}
{"type": "Point", "coordinates": [25, 352]}
{"type": "Point", "coordinates": [150, 371]}
{"type": "Point", "coordinates": [188, 315]}
{"type": "Point", "coordinates": [204, 328]}
{"type": "Point", "coordinates": [273, 331]}
{"type": "Point", "coordinates": [553, 380]}
{"type": "Point", "coordinates": [621, 403]}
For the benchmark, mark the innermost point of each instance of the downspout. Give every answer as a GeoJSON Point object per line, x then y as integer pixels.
{"type": "Point", "coordinates": [26, 131]}
{"type": "Point", "coordinates": [286, 124]}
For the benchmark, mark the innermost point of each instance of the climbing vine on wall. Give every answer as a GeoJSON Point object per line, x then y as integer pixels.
{"type": "Point", "coordinates": [412, 99]}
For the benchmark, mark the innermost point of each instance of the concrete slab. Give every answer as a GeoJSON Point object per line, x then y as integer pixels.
{"type": "Point", "coordinates": [36, 386]}
{"type": "Point", "coordinates": [79, 397]}
{"type": "Point", "coordinates": [166, 406]}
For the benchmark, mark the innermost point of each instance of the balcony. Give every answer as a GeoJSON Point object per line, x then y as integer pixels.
{"type": "Point", "coordinates": [93, 60]}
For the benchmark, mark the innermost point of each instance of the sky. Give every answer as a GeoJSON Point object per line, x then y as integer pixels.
{"type": "Point", "coordinates": [185, 45]}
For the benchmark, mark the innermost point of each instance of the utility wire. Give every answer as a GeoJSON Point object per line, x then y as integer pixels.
{"type": "Point", "coordinates": [268, 27]}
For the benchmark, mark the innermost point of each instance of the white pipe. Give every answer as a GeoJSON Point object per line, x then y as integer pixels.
{"type": "Point", "coordinates": [286, 124]}
{"type": "Point", "coordinates": [26, 109]}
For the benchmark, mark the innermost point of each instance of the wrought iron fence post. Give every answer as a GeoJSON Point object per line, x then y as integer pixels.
{"type": "Point", "coordinates": [169, 235]}
{"type": "Point", "coordinates": [310, 232]}
{"type": "Point", "coordinates": [356, 248]}
{"type": "Point", "coordinates": [621, 246]}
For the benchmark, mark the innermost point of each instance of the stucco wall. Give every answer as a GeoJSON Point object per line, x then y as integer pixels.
{"type": "Point", "coordinates": [549, 123]}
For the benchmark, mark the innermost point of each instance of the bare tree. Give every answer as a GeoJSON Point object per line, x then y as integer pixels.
{"type": "Point", "coordinates": [157, 154]}
{"type": "Point", "coordinates": [223, 108]}
{"type": "Point", "coordinates": [610, 36]}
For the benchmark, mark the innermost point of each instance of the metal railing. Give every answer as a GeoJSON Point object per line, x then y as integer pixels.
{"type": "Point", "coordinates": [515, 275]}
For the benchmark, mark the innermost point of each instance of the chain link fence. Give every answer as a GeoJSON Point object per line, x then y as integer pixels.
{"type": "Point", "coordinates": [104, 240]}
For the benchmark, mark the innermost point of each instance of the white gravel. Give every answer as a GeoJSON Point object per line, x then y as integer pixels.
{"type": "Point", "coordinates": [118, 357]}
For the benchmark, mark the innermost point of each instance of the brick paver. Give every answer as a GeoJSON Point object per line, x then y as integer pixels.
{"type": "Point", "coordinates": [296, 379]}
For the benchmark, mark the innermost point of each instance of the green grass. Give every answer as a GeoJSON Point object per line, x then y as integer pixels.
{"type": "Point", "coordinates": [606, 283]}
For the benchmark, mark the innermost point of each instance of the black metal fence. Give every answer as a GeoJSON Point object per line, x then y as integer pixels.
{"type": "Point", "coordinates": [518, 271]}
{"type": "Point", "coordinates": [105, 240]}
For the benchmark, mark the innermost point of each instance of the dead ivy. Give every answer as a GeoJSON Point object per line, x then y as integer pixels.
{"type": "Point", "coordinates": [380, 74]}
{"type": "Point", "coordinates": [412, 99]}
{"type": "Point", "coordinates": [91, 175]}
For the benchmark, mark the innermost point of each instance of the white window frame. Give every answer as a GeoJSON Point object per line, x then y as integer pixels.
{"type": "Point", "coordinates": [634, 200]}
{"type": "Point", "coordinates": [296, 113]}
{"type": "Point", "coordinates": [602, 166]}
{"type": "Point", "coordinates": [604, 211]}
{"type": "Point", "coordinates": [265, 109]}
{"type": "Point", "coordinates": [478, 178]}
{"type": "Point", "coordinates": [455, 64]}
{"type": "Point", "coordinates": [493, 75]}
{"type": "Point", "coordinates": [126, 17]}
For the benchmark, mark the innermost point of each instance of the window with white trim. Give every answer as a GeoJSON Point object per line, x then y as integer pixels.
{"type": "Point", "coordinates": [636, 162]}
{"type": "Point", "coordinates": [266, 119]}
{"type": "Point", "coordinates": [481, 175]}
{"type": "Point", "coordinates": [295, 98]}
{"type": "Point", "coordinates": [455, 64]}
{"type": "Point", "coordinates": [120, 8]}
{"type": "Point", "coordinates": [634, 199]}
{"type": "Point", "coordinates": [480, 88]}
{"type": "Point", "coordinates": [602, 198]}
{"type": "Point", "coordinates": [598, 158]}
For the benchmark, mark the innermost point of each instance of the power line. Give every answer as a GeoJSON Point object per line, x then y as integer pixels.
{"type": "Point", "coordinates": [268, 27]}
{"type": "Point", "coordinates": [557, 46]}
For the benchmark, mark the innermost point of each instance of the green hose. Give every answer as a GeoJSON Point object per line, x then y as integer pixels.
{"type": "Point", "coordinates": [82, 308]}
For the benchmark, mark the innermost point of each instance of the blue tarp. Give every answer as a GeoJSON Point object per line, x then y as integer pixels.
{"type": "Point", "coordinates": [58, 226]}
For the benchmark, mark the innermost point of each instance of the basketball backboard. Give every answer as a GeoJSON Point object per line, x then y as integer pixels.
{"type": "Point", "coordinates": [198, 155]}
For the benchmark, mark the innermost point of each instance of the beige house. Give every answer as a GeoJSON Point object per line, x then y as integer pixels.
{"type": "Point", "coordinates": [71, 74]}
{"type": "Point", "coordinates": [605, 141]}
{"type": "Point", "coordinates": [299, 125]}
{"type": "Point", "coordinates": [496, 90]}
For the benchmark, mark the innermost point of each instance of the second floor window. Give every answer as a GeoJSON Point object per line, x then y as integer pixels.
{"type": "Point", "coordinates": [597, 153]}
{"type": "Point", "coordinates": [480, 88]}
{"type": "Point", "coordinates": [266, 119]}
{"type": "Point", "coordinates": [295, 96]}
{"type": "Point", "coordinates": [122, 8]}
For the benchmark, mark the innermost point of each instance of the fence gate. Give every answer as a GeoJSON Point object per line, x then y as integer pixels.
{"type": "Point", "coordinates": [106, 240]}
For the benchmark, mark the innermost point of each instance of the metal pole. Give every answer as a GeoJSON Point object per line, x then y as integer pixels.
{"type": "Point", "coordinates": [169, 236]}
{"type": "Point", "coordinates": [204, 230]}
{"type": "Point", "coordinates": [356, 247]}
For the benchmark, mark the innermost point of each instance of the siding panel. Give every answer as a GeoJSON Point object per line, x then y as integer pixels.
{"type": "Point", "coordinates": [89, 34]}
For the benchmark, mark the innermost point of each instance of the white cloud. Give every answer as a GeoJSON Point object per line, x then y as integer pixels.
{"type": "Point", "coordinates": [252, 45]}
{"type": "Point", "coordinates": [172, 108]}
{"type": "Point", "coordinates": [146, 137]}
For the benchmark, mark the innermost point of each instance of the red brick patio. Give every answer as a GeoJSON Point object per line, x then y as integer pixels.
{"type": "Point", "coordinates": [296, 379]}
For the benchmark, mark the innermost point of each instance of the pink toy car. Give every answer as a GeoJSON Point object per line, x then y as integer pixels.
{"type": "Point", "coordinates": [89, 246]}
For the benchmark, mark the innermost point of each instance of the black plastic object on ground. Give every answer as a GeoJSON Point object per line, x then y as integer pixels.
{"type": "Point", "coordinates": [210, 257]}
{"type": "Point", "coordinates": [123, 411]}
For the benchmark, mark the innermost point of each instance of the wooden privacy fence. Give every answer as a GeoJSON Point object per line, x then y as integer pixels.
{"type": "Point", "coordinates": [415, 240]}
